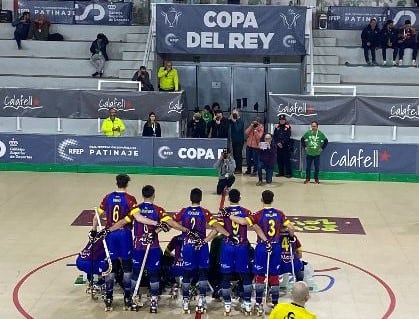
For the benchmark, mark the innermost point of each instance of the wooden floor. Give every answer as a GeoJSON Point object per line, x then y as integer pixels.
{"type": "Point", "coordinates": [363, 276]}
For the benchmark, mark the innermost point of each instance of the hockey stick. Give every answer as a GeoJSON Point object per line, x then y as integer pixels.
{"type": "Point", "coordinates": [135, 297]}
{"type": "Point", "coordinates": [291, 242]}
{"type": "Point", "coordinates": [265, 300]}
{"type": "Point", "coordinates": [105, 246]}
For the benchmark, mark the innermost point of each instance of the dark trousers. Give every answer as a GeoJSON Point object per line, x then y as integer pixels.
{"type": "Point", "coordinates": [225, 182]}
{"type": "Point", "coordinates": [19, 37]}
{"type": "Point", "coordinates": [269, 172]}
{"type": "Point", "coordinates": [283, 158]}
{"type": "Point", "coordinates": [238, 154]}
{"type": "Point", "coordinates": [366, 55]}
{"type": "Point", "coordinates": [411, 43]}
{"type": "Point", "coordinates": [395, 51]}
{"type": "Point", "coordinates": [309, 161]}
{"type": "Point", "coordinates": [252, 159]}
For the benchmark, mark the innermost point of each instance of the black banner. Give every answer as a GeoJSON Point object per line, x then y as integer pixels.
{"type": "Point", "coordinates": [228, 29]}
{"type": "Point", "coordinates": [55, 11]}
{"type": "Point", "coordinates": [302, 109]}
{"type": "Point", "coordinates": [108, 13]}
{"type": "Point", "coordinates": [354, 18]}
{"type": "Point", "coordinates": [91, 104]}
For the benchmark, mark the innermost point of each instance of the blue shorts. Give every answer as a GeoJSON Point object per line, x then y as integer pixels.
{"type": "Point", "coordinates": [234, 258]}
{"type": "Point", "coordinates": [152, 263]}
{"type": "Point", "coordinates": [259, 267]}
{"type": "Point", "coordinates": [120, 244]}
{"type": "Point", "coordinates": [285, 267]}
{"type": "Point", "coordinates": [95, 268]}
{"type": "Point", "coordinates": [195, 258]}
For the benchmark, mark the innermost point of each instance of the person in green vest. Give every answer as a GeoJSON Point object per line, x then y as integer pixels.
{"type": "Point", "coordinates": [313, 142]}
{"type": "Point", "coordinates": [168, 78]}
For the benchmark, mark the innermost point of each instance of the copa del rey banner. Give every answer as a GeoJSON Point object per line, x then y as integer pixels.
{"type": "Point", "coordinates": [224, 29]}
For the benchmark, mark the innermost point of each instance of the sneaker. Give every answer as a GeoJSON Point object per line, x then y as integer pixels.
{"type": "Point", "coordinates": [374, 63]}
{"type": "Point", "coordinates": [95, 74]}
{"type": "Point", "coordinates": [101, 74]}
{"type": "Point", "coordinates": [394, 63]}
{"type": "Point", "coordinates": [414, 62]}
{"type": "Point", "coordinates": [260, 183]}
{"type": "Point", "coordinates": [400, 62]}
{"type": "Point", "coordinates": [384, 63]}
{"type": "Point", "coordinates": [317, 181]}
{"type": "Point", "coordinates": [306, 181]}
{"type": "Point", "coordinates": [369, 63]}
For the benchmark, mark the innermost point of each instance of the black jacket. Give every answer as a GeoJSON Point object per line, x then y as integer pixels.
{"type": "Point", "coordinates": [144, 79]}
{"type": "Point", "coordinates": [371, 36]}
{"type": "Point", "coordinates": [282, 134]}
{"type": "Point", "coordinates": [101, 47]}
{"type": "Point", "coordinates": [388, 36]}
{"type": "Point", "coordinates": [148, 129]}
{"type": "Point", "coordinates": [219, 130]}
{"type": "Point", "coordinates": [196, 129]}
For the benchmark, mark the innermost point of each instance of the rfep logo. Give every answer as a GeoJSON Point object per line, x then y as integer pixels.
{"type": "Point", "coordinates": [68, 149]}
{"type": "Point", "coordinates": [3, 149]}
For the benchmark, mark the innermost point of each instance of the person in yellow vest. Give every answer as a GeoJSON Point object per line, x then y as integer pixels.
{"type": "Point", "coordinates": [168, 78]}
{"type": "Point", "coordinates": [113, 126]}
{"type": "Point", "coordinates": [295, 309]}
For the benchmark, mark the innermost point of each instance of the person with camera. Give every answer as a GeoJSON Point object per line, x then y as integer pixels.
{"type": "Point", "coordinates": [267, 155]}
{"type": "Point", "coordinates": [144, 77]}
{"type": "Point", "coordinates": [407, 39]}
{"type": "Point", "coordinates": [254, 133]}
{"type": "Point", "coordinates": [226, 166]}
{"type": "Point", "coordinates": [237, 139]}
{"type": "Point", "coordinates": [218, 126]}
{"type": "Point", "coordinates": [196, 127]}
{"type": "Point", "coordinates": [168, 78]}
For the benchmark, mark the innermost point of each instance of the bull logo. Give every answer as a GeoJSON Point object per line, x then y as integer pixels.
{"type": "Point", "coordinates": [292, 22]}
{"type": "Point", "coordinates": [171, 17]}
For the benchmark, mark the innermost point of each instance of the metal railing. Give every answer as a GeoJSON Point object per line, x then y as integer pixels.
{"type": "Point", "coordinates": [345, 87]}
{"type": "Point", "coordinates": [150, 36]}
{"type": "Point", "coordinates": [101, 82]}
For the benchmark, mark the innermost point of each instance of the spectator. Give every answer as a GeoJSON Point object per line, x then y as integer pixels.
{"type": "Point", "coordinates": [237, 139]}
{"type": "Point", "coordinates": [300, 295]}
{"type": "Point", "coordinates": [152, 127]}
{"type": "Point", "coordinates": [99, 55]}
{"type": "Point", "coordinates": [314, 142]}
{"type": "Point", "coordinates": [282, 138]}
{"type": "Point", "coordinates": [207, 116]}
{"type": "Point", "coordinates": [267, 154]}
{"type": "Point", "coordinates": [388, 39]}
{"type": "Point", "coordinates": [39, 29]}
{"type": "Point", "coordinates": [142, 76]}
{"type": "Point", "coordinates": [226, 167]}
{"type": "Point", "coordinates": [218, 126]}
{"type": "Point", "coordinates": [370, 37]}
{"type": "Point", "coordinates": [196, 126]}
{"type": "Point", "coordinates": [22, 28]}
{"type": "Point", "coordinates": [168, 78]}
{"type": "Point", "coordinates": [113, 126]}
{"type": "Point", "coordinates": [407, 39]}
{"type": "Point", "coordinates": [215, 107]}
{"type": "Point", "coordinates": [254, 133]}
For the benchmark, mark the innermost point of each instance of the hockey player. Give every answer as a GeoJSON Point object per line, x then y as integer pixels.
{"type": "Point", "coordinates": [291, 244]}
{"type": "Point", "coordinates": [235, 258]}
{"type": "Point", "coordinates": [116, 206]}
{"type": "Point", "coordinates": [271, 221]}
{"type": "Point", "coordinates": [196, 253]}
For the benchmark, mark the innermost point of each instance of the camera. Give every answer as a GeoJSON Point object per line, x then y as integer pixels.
{"type": "Point", "coordinates": [234, 116]}
{"type": "Point", "coordinates": [255, 124]}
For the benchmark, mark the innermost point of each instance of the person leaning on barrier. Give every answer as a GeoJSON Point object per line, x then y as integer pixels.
{"type": "Point", "coordinates": [296, 309]}
{"type": "Point", "coordinates": [168, 78]}
{"type": "Point", "coordinates": [113, 126]}
{"type": "Point", "coordinates": [226, 167]}
{"type": "Point", "coordinates": [144, 77]}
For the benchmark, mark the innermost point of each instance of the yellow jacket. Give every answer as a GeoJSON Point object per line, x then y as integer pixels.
{"type": "Point", "coordinates": [168, 80]}
{"type": "Point", "coordinates": [108, 127]}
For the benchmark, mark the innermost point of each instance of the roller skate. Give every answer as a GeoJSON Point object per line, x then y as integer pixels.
{"type": "Point", "coordinates": [201, 306]}
{"type": "Point", "coordinates": [174, 291]}
{"type": "Point", "coordinates": [185, 306]}
{"type": "Point", "coordinates": [127, 302]}
{"type": "Point", "coordinates": [227, 309]}
{"type": "Point", "coordinates": [153, 304]}
{"type": "Point", "coordinates": [108, 303]}
{"type": "Point", "coordinates": [246, 308]}
{"type": "Point", "coordinates": [258, 309]}
{"type": "Point", "coordinates": [90, 289]}
{"type": "Point", "coordinates": [136, 303]}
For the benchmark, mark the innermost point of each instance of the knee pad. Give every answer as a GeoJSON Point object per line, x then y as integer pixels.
{"type": "Point", "coordinates": [273, 280]}
{"type": "Point", "coordinates": [126, 265]}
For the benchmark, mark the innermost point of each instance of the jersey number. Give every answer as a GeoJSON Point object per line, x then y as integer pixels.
{"type": "Point", "coordinates": [115, 213]}
{"type": "Point", "coordinates": [285, 243]}
{"type": "Point", "coordinates": [193, 222]}
{"type": "Point", "coordinates": [271, 231]}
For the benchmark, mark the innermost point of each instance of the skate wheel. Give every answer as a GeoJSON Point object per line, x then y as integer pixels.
{"type": "Point", "coordinates": [108, 309]}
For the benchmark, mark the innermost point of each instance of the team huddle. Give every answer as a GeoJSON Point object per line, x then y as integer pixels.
{"type": "Point", "coordinates": [129, 241]}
